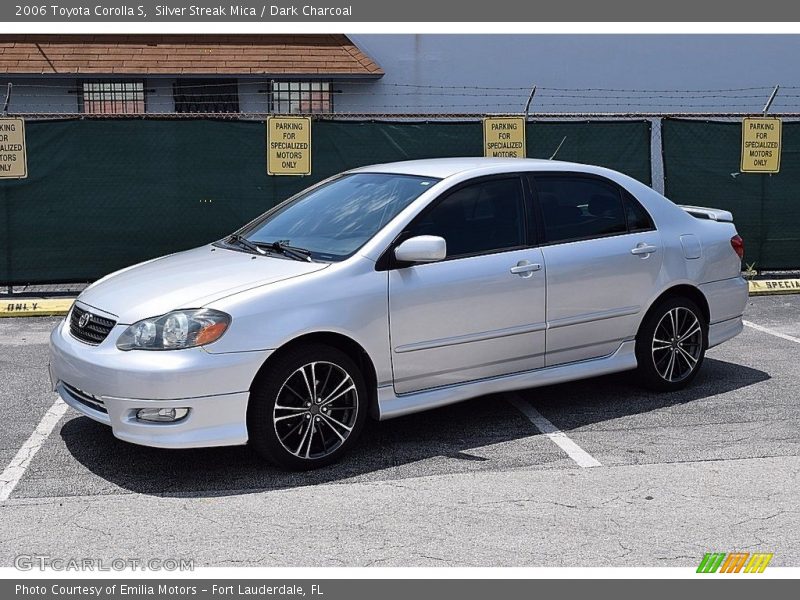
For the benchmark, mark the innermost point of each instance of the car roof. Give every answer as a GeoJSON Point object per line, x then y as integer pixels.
{"type": "Point", "coordinates": [446, 167]}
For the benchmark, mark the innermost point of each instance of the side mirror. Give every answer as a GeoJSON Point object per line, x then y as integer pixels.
{"type": "Point", "coordinates": [421, 249]}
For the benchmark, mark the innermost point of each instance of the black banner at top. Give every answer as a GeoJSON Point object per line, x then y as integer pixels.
{"type": "Point", "coordinates": [464, 11]}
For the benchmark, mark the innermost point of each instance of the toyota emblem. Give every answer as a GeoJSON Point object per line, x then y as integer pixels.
{"type": "Point", "coordinates": [84, 320]}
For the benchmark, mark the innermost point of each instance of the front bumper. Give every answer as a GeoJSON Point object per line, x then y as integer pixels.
{"type": "Point", "coordinates": [110, 386]}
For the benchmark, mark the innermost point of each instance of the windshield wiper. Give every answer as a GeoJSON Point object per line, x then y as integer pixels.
{"type": "Point", "coordinates": [290, 251]}
{"type": "Point", "coordinates": [237, 238]}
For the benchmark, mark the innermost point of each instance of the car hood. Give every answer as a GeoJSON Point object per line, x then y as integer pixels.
{"type": "Point", "coordinates": [188, 279]}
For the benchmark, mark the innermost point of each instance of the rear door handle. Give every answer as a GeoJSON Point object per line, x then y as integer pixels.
{"type": "Point", "coordinates": [525, 268]}
{"type": "Point", "coordinates": [643, 249]}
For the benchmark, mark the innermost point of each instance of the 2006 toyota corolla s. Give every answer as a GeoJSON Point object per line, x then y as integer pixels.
{"type": "Point", "coordinates": [398, 288]}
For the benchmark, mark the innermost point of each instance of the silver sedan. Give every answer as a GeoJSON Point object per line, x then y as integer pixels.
{"type": "Point", "coordinates": [397, 288]}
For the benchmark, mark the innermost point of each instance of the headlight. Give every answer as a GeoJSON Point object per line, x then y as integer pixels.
{"type": "Point", "coordinates": [176, 330]}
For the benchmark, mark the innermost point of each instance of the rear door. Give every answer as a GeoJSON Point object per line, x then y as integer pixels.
{"type": "Point", "coordinates": [603, 256]}
{"type": "Point", "coordinates": [480, 312]}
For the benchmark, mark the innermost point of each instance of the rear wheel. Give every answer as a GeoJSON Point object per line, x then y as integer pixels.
{"type": "Point", "coordinates": [308, 408]}
{"type": "Point", "coordinates": [671, 344]}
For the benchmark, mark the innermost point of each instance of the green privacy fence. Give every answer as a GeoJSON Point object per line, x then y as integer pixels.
{"type": "Point", "coordinates": [701, 166]}
{"type": "Point", "coordinates": [104, 194]}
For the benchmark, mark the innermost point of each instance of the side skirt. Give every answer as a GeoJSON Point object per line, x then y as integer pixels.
{"type": "Point", "coordinates": [391, 405]}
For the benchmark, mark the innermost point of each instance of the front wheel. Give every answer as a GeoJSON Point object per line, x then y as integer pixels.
{"type": "Point", "coordinates": [308, 408]}
{"type": "Point", "coordinates": [671, 345]}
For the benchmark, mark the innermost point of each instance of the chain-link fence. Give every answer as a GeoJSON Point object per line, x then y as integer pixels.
{"type": "Point", "coordinates": [106, 192]}
{"type": "Point", "coordinates": [102, 194]}
{"type": "Point", "coordinates": [702, 166]}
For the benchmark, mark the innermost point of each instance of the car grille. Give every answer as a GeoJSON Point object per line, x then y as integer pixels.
{"type": "Point", "coordinates": [94, 331]}
{"type": "Point", "coordinates": [87, 400]}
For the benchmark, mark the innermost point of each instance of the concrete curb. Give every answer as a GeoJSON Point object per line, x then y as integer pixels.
{"type": "Point", "coordinates": [760, 287]}
{"type": "Point", "coordinates": [34, 307]}
{"type": "Point", "coordinates": [45, 307]}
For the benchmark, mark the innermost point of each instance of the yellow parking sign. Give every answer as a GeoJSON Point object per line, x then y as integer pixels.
{"type": "Point", "coordinates": [289, 145]}
{"type": "Point", "coordinates": [13, 158]}
{"type": "Point", "coordinates": [504, 137]}
{"type": "Point", "coordinates": [761, 145]}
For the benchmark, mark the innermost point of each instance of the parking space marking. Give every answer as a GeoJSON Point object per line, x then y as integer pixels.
{"type": "Point", "coordinates": [783, 336]}
{"type": "Point", "coordinates": [19, 464]}
{"type": "Point", "coordinates": [558, 437]}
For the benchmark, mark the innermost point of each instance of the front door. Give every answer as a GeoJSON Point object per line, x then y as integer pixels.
{"type": "Point", "coordinates": [480, 312]}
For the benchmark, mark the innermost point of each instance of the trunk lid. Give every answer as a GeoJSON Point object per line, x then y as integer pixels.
{"type": "Point", "coordinates": [711, 214]}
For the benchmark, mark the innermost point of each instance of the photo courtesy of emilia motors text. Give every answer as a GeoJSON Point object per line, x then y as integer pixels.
{"type": "Point", "coordinates": [358, 299]}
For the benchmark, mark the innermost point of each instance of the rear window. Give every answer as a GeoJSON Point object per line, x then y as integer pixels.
{"type": "Point", "coordinates": [575, 208]}
{"type": "Point", "coordinates": [638, 218]}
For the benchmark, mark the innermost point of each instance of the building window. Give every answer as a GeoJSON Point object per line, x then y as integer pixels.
{"type": "Point", "coordinates": [206, 96]}
{"type": "Point", "coordinates": [301, 97]}
{"type": "Point", "coordinates": [112, 97]}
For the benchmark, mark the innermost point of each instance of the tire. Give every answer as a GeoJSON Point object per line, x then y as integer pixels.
{"type": "Point", "coordinates": [665, 363]}
{"type": "Point", "coordinates": [298, 426]}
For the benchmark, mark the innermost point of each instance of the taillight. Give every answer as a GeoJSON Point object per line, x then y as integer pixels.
{"type": "Point", "coordinates": [737, 243]}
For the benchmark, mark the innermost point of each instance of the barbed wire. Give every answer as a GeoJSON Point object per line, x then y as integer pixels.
{"type": "Point", "coordinates": [242, 97]}
{"type": "Point", "coordinates": [213, 106]}
{"type": "Point", "coordinates": [651, 91]}
{"type": "Point", "coordinates": [216, 82]}
{"type": "Point", "coordinates": [374, 101]}
{"type": "Point", "coordinates": [204, 97]}
{"type": "Point", "coordinates": [654, 97]}
{"type": "Point", "coordinates": [20, 89]}
{"type": "Point", "coordinates": [405, 116]}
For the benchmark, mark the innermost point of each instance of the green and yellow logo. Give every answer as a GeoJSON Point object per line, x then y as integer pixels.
{"type": "Point", "coordinates": [734, 562]}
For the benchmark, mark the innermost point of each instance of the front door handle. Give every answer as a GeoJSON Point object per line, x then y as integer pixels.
{"type": "Point", "coordinates": [525, 268]}
{"type": "Point", "coordinates": [643, 249]}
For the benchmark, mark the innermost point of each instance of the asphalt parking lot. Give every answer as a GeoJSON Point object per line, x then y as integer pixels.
{"type": "Point", "coordinates": [712, 468]}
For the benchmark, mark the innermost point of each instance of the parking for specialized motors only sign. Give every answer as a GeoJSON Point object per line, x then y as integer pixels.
{"type": "Point", "coordinates": [761, 145]}
{"type": "Point", "coordinates": [504, 137]}
{"type": "Point", "coordinates": [289, 145]}
{"type": "Point", "coordinates": [13, 160]}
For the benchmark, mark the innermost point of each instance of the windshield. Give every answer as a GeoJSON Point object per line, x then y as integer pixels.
{"type": "Point", "coordinates": [334, 220]}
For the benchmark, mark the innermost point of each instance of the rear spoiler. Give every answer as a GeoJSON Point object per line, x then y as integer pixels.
{"type": "Point", "coordinates": [712, 214]}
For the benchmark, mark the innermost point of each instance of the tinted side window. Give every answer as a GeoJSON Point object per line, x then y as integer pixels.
{"type": "Point", "coordinates": [638, 218]}
{"type": "Point", "coordinates": [576, 208]}
{"type": "Point", "coordinates": [479, 218]}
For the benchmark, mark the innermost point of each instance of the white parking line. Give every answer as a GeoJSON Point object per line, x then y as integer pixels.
{"type": "Point", "coordinates": [16, 468]}
{"type": "Point", "coordinates": [558, 437]}
{"type": "Point", "coordinates": [783, 336]}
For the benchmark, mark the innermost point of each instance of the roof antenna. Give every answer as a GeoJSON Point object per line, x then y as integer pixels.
{"type": "Point", "coordinates": [559, 148]}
